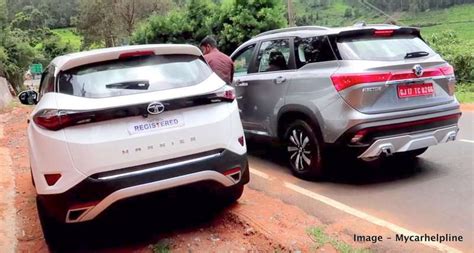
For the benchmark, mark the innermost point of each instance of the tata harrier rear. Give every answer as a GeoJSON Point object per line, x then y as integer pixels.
{"type": "Point", "coordinates": [115, 123]}
{"type": "Point", "coordinates": [364, 91]}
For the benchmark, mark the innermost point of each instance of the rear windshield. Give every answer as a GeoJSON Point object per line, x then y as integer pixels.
{"type": "Point", "coordinates": [133, 75]}
{"type": "Point", "coordinates": [382, 48]}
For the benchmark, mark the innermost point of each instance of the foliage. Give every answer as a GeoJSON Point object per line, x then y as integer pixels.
{"type": "Point", "coordinates": [245, 19]}
{"type": "Point", "coordinates": [457, 52]}
{"type": "Point", "coordinates": [100, 22]}
{"type": "Point", "coordinates": [55, 13]}
{"type": "Point", "coordinates": [69, 35]}
{"type": "Point", "coordinates": [465, 92]}
{"type": "Point", "coordinates": [320, 237]}
{"type": "Point", "coordinates": [18, 43]}
{"type": "Point", "coordinates": [18, 57]}
{"type": "Point", "coordinates": [231, 22]}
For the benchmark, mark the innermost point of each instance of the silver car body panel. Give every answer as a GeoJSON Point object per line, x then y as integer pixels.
{"type": "Point", "coordinates": [309, 90]}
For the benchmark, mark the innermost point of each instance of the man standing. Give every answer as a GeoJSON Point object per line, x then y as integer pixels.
{"type": "Point", "coordinates": [220, 63]}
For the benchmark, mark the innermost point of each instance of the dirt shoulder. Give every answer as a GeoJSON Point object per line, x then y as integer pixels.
{"type": "Point", "coordinates": [467, 107]}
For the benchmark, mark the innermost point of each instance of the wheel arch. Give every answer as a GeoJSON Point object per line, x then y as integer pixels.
{"type": "Point", "coordinates": [289, 113]}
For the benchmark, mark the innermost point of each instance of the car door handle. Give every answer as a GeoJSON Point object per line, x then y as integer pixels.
{"type": "Point", "coordinates": [280, 80]}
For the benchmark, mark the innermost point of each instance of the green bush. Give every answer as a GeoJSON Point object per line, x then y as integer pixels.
{"type": "Point", "coordinates": [232, 22]}
{"type": "Point", "coordinates": [457, 52]}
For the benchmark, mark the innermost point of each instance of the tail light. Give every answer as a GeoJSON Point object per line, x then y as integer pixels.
{"type": "Point", "coordinates": [447, 70]}
{"type": "Point", "coordinates": [227, 94]}
{"type": "Point", "coordinates": [53, 119]}
{"type": "Point", "coordinates": [344, 81]}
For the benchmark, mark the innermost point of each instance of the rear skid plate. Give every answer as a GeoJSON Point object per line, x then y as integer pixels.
{"type": "Point", "coordinates": [404, 143]}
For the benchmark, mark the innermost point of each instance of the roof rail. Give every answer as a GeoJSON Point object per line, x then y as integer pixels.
{"type": "Point", "coordinates": [293, 29]}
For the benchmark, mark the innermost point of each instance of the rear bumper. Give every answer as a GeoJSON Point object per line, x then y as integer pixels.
{"type": "Point", "coordinates": [388, 146]}
{"type": "Point", "coordinates": [368, 141]}
{"type": "Point", "coordinates": [95, 194]}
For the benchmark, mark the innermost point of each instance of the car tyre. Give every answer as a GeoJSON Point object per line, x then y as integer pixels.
{"type": "Point", "coordinates": [412, 154]}
{"type": "Point", "coordinates": [52, 229]}
{"type": "Point", "coordinates": [230, 194]}
{"type": "Point", "coordinates": [304, 150]}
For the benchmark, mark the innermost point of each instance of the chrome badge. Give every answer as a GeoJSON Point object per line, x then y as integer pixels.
{"type": "Point", "coordinates": [155, 108]}
{"type": "Point", "coordinates": [418, 70]}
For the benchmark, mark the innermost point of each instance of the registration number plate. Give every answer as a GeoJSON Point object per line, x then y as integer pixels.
{"type": "Point", "coordinates": [415, 90]}
{"type": "Point", "coordinates": [156, 123]}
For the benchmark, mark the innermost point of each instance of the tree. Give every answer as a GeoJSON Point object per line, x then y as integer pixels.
{"type": "Point", "coordinates": [112, 22]}
{"type": "Point", "coordinates": [131, 11]}
{"type": "Point", "coordinates": [97, 23]}
{"type": "Point", "coordinates": [348, 12]}
{"type": "Point", "coordinates": [233, 22]}
{"type": "Point", "coordinates": [29, 18]}
{"type": "Point", "coordinates": [246, 18]}
{"type": "Point", "coordinates": [3, 14]}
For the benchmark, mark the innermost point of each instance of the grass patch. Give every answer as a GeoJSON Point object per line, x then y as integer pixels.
{"type": "Point", "coordinates": [162, 246]}
{"type": "Point", "coordinates": [465, 92]}
{"type": "Point", "coordinates": [319, 236]}
{"type": "Point", "coordinates": [68, 35]}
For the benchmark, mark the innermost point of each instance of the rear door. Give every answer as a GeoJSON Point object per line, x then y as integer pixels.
{"type": "Point", "coordinates": [265, 89]}
{"type": "Point", "coordinates": [242, 74]}
{"type": "Point", "coordinates": [141, 110]}
{"type": "Point", "coordinates": [391, 70]}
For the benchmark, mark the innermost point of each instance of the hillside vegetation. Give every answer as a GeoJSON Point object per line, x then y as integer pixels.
{"type": "Point", "coordinates": [39, 30]}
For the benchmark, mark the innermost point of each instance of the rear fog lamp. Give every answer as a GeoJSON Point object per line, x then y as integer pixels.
{"type": "Point", "coordinates": [52, 179]}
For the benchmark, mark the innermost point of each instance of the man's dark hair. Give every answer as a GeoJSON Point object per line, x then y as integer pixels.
{"type": "Point", "coordinates": [209, 40]}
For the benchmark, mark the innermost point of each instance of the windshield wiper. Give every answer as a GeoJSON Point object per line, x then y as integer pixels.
{"type": "Point", "coordinates": [132, 85]}
{"type": "Point", "coordinates": [416, 54]}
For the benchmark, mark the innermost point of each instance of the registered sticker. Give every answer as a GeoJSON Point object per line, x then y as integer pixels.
{"type": "Point", "coordinates": [156, 124]}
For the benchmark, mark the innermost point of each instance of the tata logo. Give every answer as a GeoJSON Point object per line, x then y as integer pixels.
{"type": "Point", "coordinates": [155, 108]}
{"type": "Point", "coordinates": [418, 70]}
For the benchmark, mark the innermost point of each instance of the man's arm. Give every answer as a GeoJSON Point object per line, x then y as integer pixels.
{"type": "Point", "coordinates": [232, 73]}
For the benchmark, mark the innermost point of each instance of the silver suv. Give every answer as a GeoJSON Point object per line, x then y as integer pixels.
{"type": "Point", "coordinates": [369, 91]}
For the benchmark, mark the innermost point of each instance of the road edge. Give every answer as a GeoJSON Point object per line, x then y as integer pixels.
{"type": "Point", "coordinates": [8, 240]}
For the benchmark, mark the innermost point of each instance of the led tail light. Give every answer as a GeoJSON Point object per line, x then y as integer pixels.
{"type": "Point", "coordinates": [53, 119]}
{"type": "Point", "coordinates": [228, 94]}
{"type": "Point", "coordinates": [343, 81]}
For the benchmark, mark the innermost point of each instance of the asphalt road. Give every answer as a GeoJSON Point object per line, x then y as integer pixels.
{"type": "Point", "coordinates": [432, 195]}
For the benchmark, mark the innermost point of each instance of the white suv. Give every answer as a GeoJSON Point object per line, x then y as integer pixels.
{"type": "Point", "coordinates": [115, 123]}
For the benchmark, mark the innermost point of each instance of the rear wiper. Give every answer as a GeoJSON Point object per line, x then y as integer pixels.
{"type": "Point", "coordinates": [131, 85]}
{"type": "Point", "coordinates": [416, 54]}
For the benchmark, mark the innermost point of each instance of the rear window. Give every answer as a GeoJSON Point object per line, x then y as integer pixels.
{"type": "Point", "coordinates": [133, 75]}
{"type": "Point", "coordinates": [381, 48]}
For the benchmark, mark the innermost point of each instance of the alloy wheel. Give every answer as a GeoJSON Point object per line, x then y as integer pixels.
{"type": "Point", "coordinates": [299, 149]}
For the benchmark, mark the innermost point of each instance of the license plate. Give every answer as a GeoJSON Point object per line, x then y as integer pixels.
{"type": "Point", "coordinates": [156, 123]}
{"type": "Point", "coordinates": [415, 90]}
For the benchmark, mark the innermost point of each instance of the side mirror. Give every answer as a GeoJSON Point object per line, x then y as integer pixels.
{"type": "Point", "coordinates": [28, 97]}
